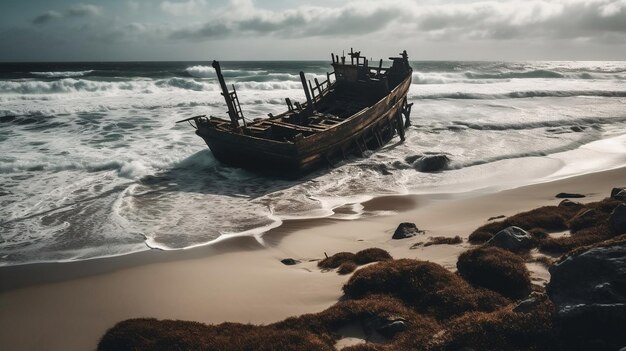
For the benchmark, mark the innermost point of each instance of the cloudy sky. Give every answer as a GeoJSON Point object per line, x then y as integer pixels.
{"type": "Point", "coordinates": [69, 30]}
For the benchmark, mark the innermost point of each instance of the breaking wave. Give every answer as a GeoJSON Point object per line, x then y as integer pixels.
{"type": "Point", "coordinates": [71, 85]}
{"type": "Point", "coordinates": [201, 71]}
{"type": "Point", "coordinates": [498, 77]}
{"type": "Point", "coordinates": [268, 85]}
{"type": "Point", "coordinates": [580, 122]}
{"type": "Point", "coordinates": [187, 84]}
{"type": "Point", "coordinates": [67, 85]}
{"type": "Point", "coordinates": [519, 94]}
{"type": "Point", "coordinates": [66, 74]}
{"type": "Point", "coordinates": [540, 73]}
{"type": "Point", "coordinates": [131, 169]}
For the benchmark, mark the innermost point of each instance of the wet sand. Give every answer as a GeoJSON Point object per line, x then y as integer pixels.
{"type": "Point", "coordinates": [68, 306]}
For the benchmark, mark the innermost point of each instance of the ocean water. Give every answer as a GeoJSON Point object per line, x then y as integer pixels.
{"type": "Point", "coordinates": [93, 163]}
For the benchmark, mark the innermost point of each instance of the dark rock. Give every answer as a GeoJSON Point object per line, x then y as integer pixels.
{"type": "Point", "coordinates": [621, 196]}
{"type": "Point", "coordinates": [431, 163]}
{"type": "Point", "coordinates": [577, 129]}
{"type": "Point", "coordinates": [512, 239]}
{"type": "Point", "coordinates": [589, 292]}
{"type": "Point", "coordinates": [377, 167]}
{"type": "Point", "coordinates": [616, 191]}
{"type": "Point", "coordinates": [584, 219]}
{"type": "Point", "coordinates": [400, 165]}
{"type": "Point", "coordinates": [289, 261]}
{"type": "Point", "coordinates": [495, 217]}
{"type": "Point", "coordinates": [568, 203]}
{"type": "Point", "coordinates": [412, 158]}
{"type": "Point", "coordinates": [617, 220]}
{"type": "Point", "coordinates": [406, 230]}
{"type": "Point", "coordinates": [528, 304]}
{"type": "Point", "coordinates": [391, 329]}
{"type": "Point", "coordinates": [385, 326]}
{"type": "Point", "coordinates": [569, 196]}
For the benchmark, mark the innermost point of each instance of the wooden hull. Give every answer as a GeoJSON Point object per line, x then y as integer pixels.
{"type": "Point", "coordinates": [366, 130]}
{"type": "Point", "coordinates": [361, 110]}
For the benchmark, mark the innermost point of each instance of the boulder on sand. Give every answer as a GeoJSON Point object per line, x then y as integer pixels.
{"type": "Point", "coordinates": [588, 290]}
{"type": "Point", "coordinates": [617, 220]}
{"type": "Point", "coordinates": [289, 261]}
{"type": "Point", "coordinates": [406, 230]}
{"type": "Point", "coordinates": [569, 196]}
{"type": "Point", "coordinates": [567, 203]}
{"type": "Point", "coordinates": [512, 238]}
{"type": "Point", "coordinates": [618, 194]}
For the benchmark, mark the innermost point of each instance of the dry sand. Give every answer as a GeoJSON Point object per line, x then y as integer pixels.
{"type": "Point", "coordinates": [68, 306]}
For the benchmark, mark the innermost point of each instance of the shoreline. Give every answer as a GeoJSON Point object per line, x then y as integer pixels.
{"type": "Point", "coordinates": [239, 280]}
{"type": "Point", "coordinates": [606, 154]}
{"type": "Point", "coordinates": [21, 275]}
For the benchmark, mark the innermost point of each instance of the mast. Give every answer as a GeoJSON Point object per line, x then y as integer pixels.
{"type": "Point", "coordinates": [232, 113]}
{"type": "Point", "coordinates": [306, 91]}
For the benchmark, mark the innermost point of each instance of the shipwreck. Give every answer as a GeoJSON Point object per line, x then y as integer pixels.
{"type": "Point", "coordinates": [357, 107]}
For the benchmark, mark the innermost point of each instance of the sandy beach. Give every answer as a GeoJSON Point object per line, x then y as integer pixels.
{"type": "Point", "coordinates": [256, 175]}
{"type": "Point", "coordinates": [69, 306]}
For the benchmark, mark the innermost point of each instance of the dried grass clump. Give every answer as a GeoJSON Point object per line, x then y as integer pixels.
{"type": "Point", "coordinates": [544, 260]}
{"type": "Point", "coordinates": [362, 311]}
{"type": "Point", "coordinates": [495, 269]}
{"type": "Point", "coordinates": [348, 262]}
{"type": "Point", "coordinates": [585, 218]}
{"type": "Point", "coordinates": [443, 240]}
{"type": "Point", "coordinates": [370, 255]}
{"type": "Point", "coordinates": [427, 287]}
{"type": "Point", "coordinates": [538, 234]}
{"type": "Point", "coordinates": [479, 237]}
{"type": "Point", "coordinates": [606, 205]}
{"type": "Point", "coordinates": [365, 347]}
{"type": "Point", "coordinates": [564, 244]}
{"type": "Point", "coordinates": [336, 260]}
{"type": "Point", "coordinates": [500, 330]}
{"type": "Point", "coordinates": [593, 215]}
{"type": "Point", "coordinates": [618, 240]}
{"type": "Point", "coordinates": [548, 218]}
{"type": "Point", "coordinates": [586, 229]}
{"type": "Point", "coordinates": [153, 334]}
{"type": "Point", "coordinates": [347, 268]}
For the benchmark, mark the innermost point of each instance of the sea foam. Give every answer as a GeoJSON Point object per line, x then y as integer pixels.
{"type": "Point", "coordinates": [96, 164]}
{"type": "Point", "coordinates": [66, 74]}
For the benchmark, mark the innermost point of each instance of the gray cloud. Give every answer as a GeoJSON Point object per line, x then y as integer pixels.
{"type": "Point", "coordinates": [206, 31]}
{"type": "Point", "coordinates": [74, 11]}
{"type": "Point", "coordinates": [504, 20]}
{"type": "Point", "coordinates": [47, 17]}
{"type": "Point", "coordinates": [83, 10]}
{"type": "Point", "coordinates": [561, 20]}
{"type": "Point", "coordinates": [304, 22]}
{"type": "Point", "coordinates": [181, 8]}
{"type": "Point", "coordinates": [563, 29]}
